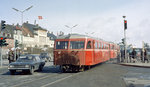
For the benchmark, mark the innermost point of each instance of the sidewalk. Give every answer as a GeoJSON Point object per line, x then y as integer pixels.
{"type": "Point", "coordinates": [5, 63]}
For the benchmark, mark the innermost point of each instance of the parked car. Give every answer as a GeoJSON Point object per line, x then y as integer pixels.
{"type": "Point", "coordinates": [45, 56]}
{"type": "Point", "coordinates": [28, 63]}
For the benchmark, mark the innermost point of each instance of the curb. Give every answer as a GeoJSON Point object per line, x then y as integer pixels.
{"type": "Point", "coordinates": [134, 65]}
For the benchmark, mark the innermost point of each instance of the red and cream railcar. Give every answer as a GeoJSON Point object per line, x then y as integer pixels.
{"type": "Point", "coordinates": [75, 52]}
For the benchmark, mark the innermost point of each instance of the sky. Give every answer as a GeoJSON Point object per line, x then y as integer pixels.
{"type": "Point", "coordinates": [103, 17]}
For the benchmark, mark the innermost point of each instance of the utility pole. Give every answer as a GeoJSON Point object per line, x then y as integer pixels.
{"type": "Point", "coordinates": [125, 43]}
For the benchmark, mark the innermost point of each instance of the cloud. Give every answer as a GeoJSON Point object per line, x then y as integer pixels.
{"type": "Point", "coordinates": [108, 24]}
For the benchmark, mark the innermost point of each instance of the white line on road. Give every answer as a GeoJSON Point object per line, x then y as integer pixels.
{"type": "Point", "coordinates": [18, 85]}
{"type": "Point", "coordinates": [58, 80]}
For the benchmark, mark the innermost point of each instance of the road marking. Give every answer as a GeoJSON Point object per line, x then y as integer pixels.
{"type": "Point", "coordinates": [56, 81]}
{"type": "Point", "coordinates": [18, 85]}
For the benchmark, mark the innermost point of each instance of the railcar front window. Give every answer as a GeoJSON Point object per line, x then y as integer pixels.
{"type": "Point", "coordinates": [76, 44]}
{"type": "Point", "coordinates": [61, 44]}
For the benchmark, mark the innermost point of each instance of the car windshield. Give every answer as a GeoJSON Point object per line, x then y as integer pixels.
{"type": "Point", "coordinates": [25, 59]}
{"type": "Point", "coordinates": [43, 54]}
{"type": "Point", "coordinates": [76, 44]}
{"type": "Point", "coordinates": [61, 44]}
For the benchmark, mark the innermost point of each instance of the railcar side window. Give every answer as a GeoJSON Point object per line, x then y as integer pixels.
{"type": "Point", "coordinates": [99, 45]}
{"type": "Point", "coordinates": [96, 45]}
{"type": "Point", "coordinates": [61, 44]}
{"type": "Point", "coordinates": [76, 44]}
{"type": "Point", "coordinates": [89, 45]}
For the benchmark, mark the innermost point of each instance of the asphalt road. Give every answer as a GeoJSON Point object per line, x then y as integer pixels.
{"type": "Point", "coordinates": [102, 75]}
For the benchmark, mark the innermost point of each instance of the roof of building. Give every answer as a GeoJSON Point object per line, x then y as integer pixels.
{"type": "Point", "coordinates": [51, 35]}
{"type": "Point", "coordinates": [28, 29]}
{"type": "Point", "coordinates": [9, 30]}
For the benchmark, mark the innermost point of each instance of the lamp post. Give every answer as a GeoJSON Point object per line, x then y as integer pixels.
{"type": "Point", "coordinates": [71, 27]}
{"type": "Point", "coordinates": [21, 23]}
{"type": "Point", "coordinates": [125, 43]}
{"type": "Point", "coordinates": [22, 12]}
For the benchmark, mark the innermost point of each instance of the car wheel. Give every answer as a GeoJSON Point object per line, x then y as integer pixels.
{"type": "Point", "coordinates": [12, 72]}
{"type": "Point", "coordinates": [31, 70]}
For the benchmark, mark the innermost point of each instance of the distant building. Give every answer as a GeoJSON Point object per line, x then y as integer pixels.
{"type": "Point", "coordinates": [35, 36]}
{"type": "Point", "coordinates": [28, 35]}
{"type": "Point", "coordinates": [8, 32]}
{"type": "Point", "coordinates": [51, 38]}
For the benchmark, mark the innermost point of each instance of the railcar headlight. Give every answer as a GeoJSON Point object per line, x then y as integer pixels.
{"type": "Point", "coordinates": [11, 66]}
{"type": "Point", "coordinates": [27, 66]}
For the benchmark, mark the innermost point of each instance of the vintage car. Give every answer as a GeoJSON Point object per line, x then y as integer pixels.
{"type": "Point", "coordinates": [26, 63]}
{"type": "Point", "coordinates": [45, 56]}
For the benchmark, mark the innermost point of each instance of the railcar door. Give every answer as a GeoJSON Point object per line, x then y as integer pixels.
{"type": "Point", "coordinates": [109, 51]}
{"type": "Point", "coordinates": [96, 54]}
{"type": "Point", "coordinates": [89, 53]}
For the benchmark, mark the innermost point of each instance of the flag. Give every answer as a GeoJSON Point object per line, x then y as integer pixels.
{"type": "Point", "coordinates": [40, 17]}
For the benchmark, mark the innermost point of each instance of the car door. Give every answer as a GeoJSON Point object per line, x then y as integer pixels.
{"type": "Point", "coordinates": [35, 63]}
{"type": "Point", "coordinates": [38, 62]}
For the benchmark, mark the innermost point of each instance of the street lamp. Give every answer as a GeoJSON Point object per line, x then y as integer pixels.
{"type": "Point", "coordinates": [71, 27]}
{"type": "Point", "coordinates": [21, 21]}
{"type": "Point", "coordinates": [22, 12]}
{"type": "Point", "coordinates": [89, 33]}
{"type": "Point", "coordinates": [125, 43]}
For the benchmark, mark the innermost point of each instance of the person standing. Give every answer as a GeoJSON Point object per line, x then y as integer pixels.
{"type": "Point", "coordinates": [10, 56]}
{"type": "Point", "coordinates": [145, 56]}
{"type": "Point", "coordinates": [17, 53]}
{"type": "Point", "coordinates": [142, 56]}
{"type": "Point", "coordinates": [134, 55]}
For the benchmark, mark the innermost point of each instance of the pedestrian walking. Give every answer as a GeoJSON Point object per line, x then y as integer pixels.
{"type": "Point", "coordinates": [10, 56]}
{"type": "Point", "coordinates": [145, 56]}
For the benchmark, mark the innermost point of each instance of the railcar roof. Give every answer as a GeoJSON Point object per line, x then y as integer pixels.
{"type": "Point", "coordinates": [74, 36]}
